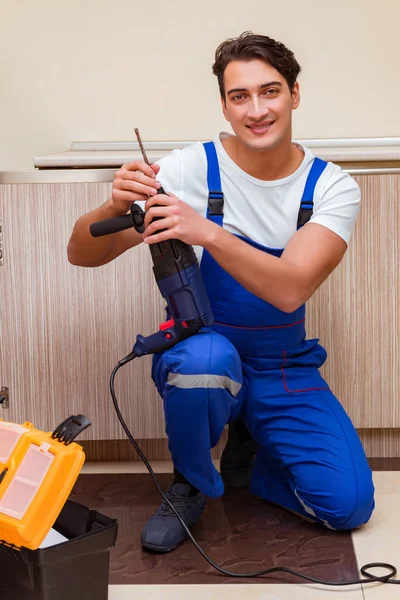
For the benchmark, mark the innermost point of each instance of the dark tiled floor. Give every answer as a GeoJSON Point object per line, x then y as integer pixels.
{"type": "Point", "coordinates": [239, 532]}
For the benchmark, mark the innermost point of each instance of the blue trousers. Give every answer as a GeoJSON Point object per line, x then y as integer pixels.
{"type": "Point", "coordinates": [310, 457]}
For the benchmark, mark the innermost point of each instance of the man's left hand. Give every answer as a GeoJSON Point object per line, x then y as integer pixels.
{"type": "Point", "coordinates": [178, 219]}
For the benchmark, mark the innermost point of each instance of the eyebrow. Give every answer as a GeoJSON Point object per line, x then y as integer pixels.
{"type": "Point", "coordinates": [264, 85]}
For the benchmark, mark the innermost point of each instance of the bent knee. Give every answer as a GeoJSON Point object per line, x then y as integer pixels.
{"type": "Point", "coordinates": [203, 353]}
{"type": "Point", "coordinates": [341, 509]}
{"type": "Point", "coordinates": [206, 360]}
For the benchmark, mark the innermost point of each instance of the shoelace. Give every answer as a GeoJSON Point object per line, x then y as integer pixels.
{"type": "Point", "coordinates": [181, 503]}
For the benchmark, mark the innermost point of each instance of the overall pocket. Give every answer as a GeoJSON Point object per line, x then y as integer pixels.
{"type": "Point", "coordinates": [298, 380]}
{"type": "Point", "coordinates": [300, 374]}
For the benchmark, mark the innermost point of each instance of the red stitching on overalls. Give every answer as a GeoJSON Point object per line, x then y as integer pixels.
{"type": "Point", "coordinates": [266, 327]}
{"type": "Point", "coordinates": [295, 391]}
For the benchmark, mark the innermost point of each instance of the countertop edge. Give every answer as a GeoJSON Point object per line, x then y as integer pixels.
{"type": "Point", "coordinates": [48, 176]}
{"type": "Point", "coordinates": [57, 176]}
{"type": "Point", "coordinates": [98, 163]}
{"type": "Point", "coordinates": [116, 158]}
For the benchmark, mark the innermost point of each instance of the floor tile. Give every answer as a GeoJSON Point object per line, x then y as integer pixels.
{"type": "Point", "coordinates": [387, 481]}
{"type": "Point", "coordinates": [240, 532]}
{"type": "Point", "coordinates": [379, 540]}
{"type": "Point", "coordinates": [233, 592]}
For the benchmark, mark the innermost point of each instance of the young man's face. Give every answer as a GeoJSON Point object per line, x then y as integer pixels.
{"type": "Point", "coordinates": [258, 104]}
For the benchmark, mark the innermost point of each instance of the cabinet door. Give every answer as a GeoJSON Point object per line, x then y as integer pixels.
{"type": "Point", "coordinates": [63, 328]}
{"type": "Point", "coordinates": [356, 311]}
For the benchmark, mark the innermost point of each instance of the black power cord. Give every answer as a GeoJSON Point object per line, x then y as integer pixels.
{"type": "Point", "coordinates": [370, 578]}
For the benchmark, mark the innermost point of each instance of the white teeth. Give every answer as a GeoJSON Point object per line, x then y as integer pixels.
{"type": "Point", "coordinates": [260, 126]}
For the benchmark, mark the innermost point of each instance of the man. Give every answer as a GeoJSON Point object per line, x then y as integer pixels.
{"type": "Point", "coordinates": [269, 222]}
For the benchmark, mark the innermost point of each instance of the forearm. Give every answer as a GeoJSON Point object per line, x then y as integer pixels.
{"type": "Point", "coordinates": [86, 251]}
{"type": "Point", "coordinates": [272, 279]}
{"type": "Point", "coordinates": [285, 282]}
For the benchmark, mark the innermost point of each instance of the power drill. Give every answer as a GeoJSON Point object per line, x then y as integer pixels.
{"type": "Point", "coordinates": [178, 276]}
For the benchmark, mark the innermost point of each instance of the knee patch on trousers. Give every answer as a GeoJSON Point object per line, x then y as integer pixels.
{"type": "Point", "coordinates": [206, 360]}
{"type": "Point", "coordinates": [342, 509]}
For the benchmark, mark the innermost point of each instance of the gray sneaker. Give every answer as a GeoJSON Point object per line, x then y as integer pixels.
{"type": "Point", "coordinates": [163, 532]}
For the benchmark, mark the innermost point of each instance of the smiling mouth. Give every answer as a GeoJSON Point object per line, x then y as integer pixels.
{"type": "Point", "coordinates": [260, 128]}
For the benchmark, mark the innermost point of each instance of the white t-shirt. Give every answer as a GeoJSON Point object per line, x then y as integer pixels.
{"type": "Point", "coordinates": [263, 211]}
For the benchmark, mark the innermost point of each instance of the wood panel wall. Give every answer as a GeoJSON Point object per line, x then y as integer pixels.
{"type": "Point", "coordinates": [356, 312]}
{"type": "Point", "coordinates": [62, 328]}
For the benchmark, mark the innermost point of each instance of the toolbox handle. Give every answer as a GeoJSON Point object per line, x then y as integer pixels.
{"type": "Point", "coordinates": [69, 429]}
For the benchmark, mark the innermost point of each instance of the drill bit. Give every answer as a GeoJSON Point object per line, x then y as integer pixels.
{"type": "Point", "coordinates": [139, 139]}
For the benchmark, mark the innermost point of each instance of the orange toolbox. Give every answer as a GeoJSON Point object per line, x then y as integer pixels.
{"type": "Point", "coordinates": [37, 473]}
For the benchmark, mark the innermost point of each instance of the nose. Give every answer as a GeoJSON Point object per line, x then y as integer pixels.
{"type": "Point", "coordinates": [257, 108]}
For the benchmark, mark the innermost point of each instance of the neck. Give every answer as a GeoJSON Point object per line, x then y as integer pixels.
{"type": "Point", "coordinates": [266, 165]}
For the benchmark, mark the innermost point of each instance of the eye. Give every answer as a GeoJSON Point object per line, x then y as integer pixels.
{"type": "Point", "coordinates": [271, 92]}
{"type": "Point", "coordinates": [237, 97]}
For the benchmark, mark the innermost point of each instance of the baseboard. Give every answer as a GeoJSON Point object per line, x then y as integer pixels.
{"type": "Point", "coordinates": [378, 444]}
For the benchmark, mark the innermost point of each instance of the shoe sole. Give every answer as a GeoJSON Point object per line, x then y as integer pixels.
{"type": "Point", "coordinates": [164, 549]}
{"type": "Point", "coordinates": [160, 549]}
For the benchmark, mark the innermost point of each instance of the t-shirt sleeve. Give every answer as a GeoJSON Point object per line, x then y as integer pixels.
{"type": "Point", "coordinates": [170, 174]}
{"type": "Point", "coordinates": [337, 202]}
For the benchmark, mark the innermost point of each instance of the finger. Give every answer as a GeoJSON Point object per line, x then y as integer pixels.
{"type": "Point", "coordinates": [168, 234]}
{"type": "Point", "coordinates": [155, 168]}
{"type": "Point", "coordinates": [134, 184]}
{"type": "Point", "coordinates": [140, 177]}
{"type": "Point", "coordinates": [128, 197]}
{"type": "Point", "coordinates": [162, 199]}
{"type": "Point", "coordinates": [156, 211]}
{"type": "Point", "coordinates": [165, 223]}
{"type": "Point", "coordinates": [139, 165]}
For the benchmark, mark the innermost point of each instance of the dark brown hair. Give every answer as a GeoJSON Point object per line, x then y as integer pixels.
{"type": "Point", "coordinates": [250, 46]}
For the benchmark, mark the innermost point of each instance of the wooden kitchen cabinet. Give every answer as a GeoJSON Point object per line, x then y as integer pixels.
{"type": "Point", "coordinates": [63, 328]}
{"type": "Point", "coordinates": [356, 312]}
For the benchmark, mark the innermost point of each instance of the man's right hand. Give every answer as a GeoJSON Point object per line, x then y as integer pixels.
{"type": "Point", "coordinates": [134, 181]}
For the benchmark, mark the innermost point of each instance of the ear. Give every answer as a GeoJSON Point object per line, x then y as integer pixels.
{"type": "Point", "coordinates": [296, 96]}
{"type": "Point", "coordinates": [224, 110]}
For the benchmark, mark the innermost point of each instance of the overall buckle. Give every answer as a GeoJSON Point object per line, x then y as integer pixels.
{"type": "Point", "coordinates": [215, 204]}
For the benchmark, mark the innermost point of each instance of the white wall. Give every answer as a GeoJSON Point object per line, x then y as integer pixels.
{"type": "Point", "coordinates": [75, 70]}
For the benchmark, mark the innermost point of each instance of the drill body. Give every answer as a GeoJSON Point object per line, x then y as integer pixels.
{"type": "Point", "coordinates": [180, 282]}
{"type": "Point", "coordinates": [179, 279]}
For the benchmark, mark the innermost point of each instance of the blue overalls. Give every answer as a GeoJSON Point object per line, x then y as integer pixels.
{"type": "Point", "coordinates": [255, 363]}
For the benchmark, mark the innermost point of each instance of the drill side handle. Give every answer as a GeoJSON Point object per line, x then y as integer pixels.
{"type": "Point", "coordinates": [134, 219]}
{"type": "Point", "coordinates": [108, 226]}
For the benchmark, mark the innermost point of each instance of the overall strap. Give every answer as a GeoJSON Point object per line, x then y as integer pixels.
{"type": "Point", "coordinates": [307, 201]}
{"type": "Point", "coordinates": [215, 208]}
